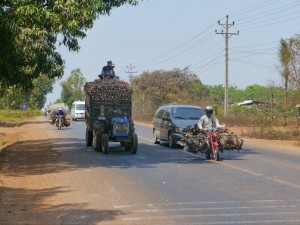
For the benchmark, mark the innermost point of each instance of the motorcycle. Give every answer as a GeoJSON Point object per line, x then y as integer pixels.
{"type": "Point", "coordinates": [213, 145]}
{"type": "Point", "coordinates": [202, 141]}
{"type": "Point", "coordinates": [60, 121]}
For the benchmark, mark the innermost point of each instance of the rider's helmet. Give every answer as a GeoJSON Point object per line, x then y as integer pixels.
{"type": "Point", "coordinates": [109, 63]}
{"type": "Point", "coordinates": [59, 109]}
{"type": "Point", "coordinates": [209, 110]}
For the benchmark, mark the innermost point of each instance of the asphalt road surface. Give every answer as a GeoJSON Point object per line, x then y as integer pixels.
{"type": "Point", "coordinates": [163, 186]}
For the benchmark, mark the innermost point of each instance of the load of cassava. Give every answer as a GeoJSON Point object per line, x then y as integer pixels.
{"type": "Point", "coordinates": [108, 90]}
{"type": "Point", "coordinates": [52, 114]}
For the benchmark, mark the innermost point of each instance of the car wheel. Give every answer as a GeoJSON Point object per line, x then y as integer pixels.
{"type": "Point", "coordinates": [155, 140]}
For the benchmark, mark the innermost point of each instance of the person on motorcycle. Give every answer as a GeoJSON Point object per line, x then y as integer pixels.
{"type": "Point", "coordinates": [60, 112]}
{"type": "Point", "coordinates": [108, 71]}
{"type": "Point", "coordinates": [208, 121]}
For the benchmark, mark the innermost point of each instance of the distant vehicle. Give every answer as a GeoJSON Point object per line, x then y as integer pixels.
{"type": "Point", "coordinates": [78, 110]}
{"type": "Point", "coordinates": [170, 120]}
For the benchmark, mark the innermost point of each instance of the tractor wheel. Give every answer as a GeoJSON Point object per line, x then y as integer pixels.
{"type": "Point", "coordinates": [105, 143]}
{"type": "Point", "coordinates": [89, 138]}
{"type": "Point", "coordinates": [134, 144]}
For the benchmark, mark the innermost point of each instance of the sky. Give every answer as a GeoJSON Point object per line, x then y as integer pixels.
{"type": "Point", "coordinates": [168, 34]}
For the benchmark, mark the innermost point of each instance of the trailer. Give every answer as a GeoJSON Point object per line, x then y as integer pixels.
{"type": "Point", "coordinates": [100, 130]}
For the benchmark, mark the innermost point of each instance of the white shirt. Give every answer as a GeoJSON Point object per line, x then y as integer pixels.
{"type": "Point", "coordinates": [206, 122]}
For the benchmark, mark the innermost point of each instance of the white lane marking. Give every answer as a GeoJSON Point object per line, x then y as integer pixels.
{"type": "Point", "coordinates": [209, 215]}
{"type": "Point", "coordinates": [217, 208]}
{"type": "Point", "coordinates": [284, 222]}
{"type": "Point", "coordinates": [149, 140]}
{"type": "Point", "coordinates": [277, 180]}
{"type": "Point", "coordinates": [199, 203]}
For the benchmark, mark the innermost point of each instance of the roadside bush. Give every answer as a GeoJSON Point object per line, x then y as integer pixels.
{"type": "Point", "coordinates": [15, 115]}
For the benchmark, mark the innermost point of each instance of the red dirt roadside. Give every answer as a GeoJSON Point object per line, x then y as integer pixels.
{"type": "Point", "coordinates": [27, 180]}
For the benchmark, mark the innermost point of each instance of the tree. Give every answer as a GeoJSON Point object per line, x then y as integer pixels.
{"type": "Point", "coordinates": [32, 29]}
{"type": "Point", "coordinates": [285, 57]}
{"type": "Point", "coordinates": [289, 57]}
{"type": "Point", "coordinates": [38, 95]}
{"type": "Point", "coordinates": [13, 96]}
{"type": "Point", "coordinates": [72, 88]}
{"type": "Point", "coordinates": [152, 89]}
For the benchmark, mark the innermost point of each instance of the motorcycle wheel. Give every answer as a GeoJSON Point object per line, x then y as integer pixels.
{"type": "Point", "coordinates": [216, 154]}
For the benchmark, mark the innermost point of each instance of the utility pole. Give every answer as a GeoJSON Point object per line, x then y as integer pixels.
{"type": "Point", "coordinates": [227, 35]}
{"type": "Point", "coordinates": [130, 70]}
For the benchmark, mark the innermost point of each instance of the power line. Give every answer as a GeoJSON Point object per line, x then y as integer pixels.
{"type": "Point", "coordinates": [227, 35]}
{"type": "Point", "coordinates": [130, 70]}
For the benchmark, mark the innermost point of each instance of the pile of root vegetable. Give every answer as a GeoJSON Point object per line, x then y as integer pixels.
{"type": "Point", "coordinates": [108, 90]}
{"type": "Point", "coordinates": [196, 140]}
{"type": "Point", "coordinates": [52, 114]}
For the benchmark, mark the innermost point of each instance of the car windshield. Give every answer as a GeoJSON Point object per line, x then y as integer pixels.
{"type": "Point", "coordinates": [187, 113]}
{"type": "Point", "coordinates": [80, 107]}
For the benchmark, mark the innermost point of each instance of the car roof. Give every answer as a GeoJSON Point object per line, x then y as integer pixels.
{"type": "Point", "coordinates": [181, 106]}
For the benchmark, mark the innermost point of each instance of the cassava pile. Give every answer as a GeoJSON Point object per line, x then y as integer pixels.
{"type": "Point", "coordinates": [108, 90]}
{"type": "Point", "coordinates": [195, 140]}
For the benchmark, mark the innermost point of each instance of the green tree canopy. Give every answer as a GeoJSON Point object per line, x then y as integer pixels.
{"type": "Point", "coordinates": [31, 30]}
{"type": "Point", "coordinates": [13, 96]}
{"type": "Point", "coordinates": [72, 88]}
{"type": "Point", "coordinates": [152, 89]}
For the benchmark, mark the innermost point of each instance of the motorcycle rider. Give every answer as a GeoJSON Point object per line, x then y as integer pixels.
{"type": "Point", "coordinates": [208, 121]}
{"type": "Point", "coordinates": [60, 112]}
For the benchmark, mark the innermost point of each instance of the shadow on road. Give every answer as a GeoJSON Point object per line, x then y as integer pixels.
{"type": "Point", "coordinates": [36, 157]}
{"type": "Point", "coordinates": [31, 208]}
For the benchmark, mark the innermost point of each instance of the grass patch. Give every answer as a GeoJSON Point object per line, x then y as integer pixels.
{"type": "Point", "coordinates": [3, 142]}
{"type": "Point", "coordinates": [17, 115]}
{"type": "Point", "coordinates": [274, 134]}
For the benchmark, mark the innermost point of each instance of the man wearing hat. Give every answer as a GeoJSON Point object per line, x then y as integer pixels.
{"type": "Point", "coordinates": [108, 71]}
{"type": "Point", "coordinates": [114, 111]}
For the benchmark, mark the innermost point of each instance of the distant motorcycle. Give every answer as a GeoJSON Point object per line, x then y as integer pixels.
{"type": "Point", "coordinates": [60, 121]}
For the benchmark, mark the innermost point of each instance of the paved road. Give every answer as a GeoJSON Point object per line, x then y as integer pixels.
{"type": "Point", "coordinates": [163, 186]}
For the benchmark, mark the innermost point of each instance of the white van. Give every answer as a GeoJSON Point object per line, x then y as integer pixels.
{"type": "Point", "coordinates": [78, 110]}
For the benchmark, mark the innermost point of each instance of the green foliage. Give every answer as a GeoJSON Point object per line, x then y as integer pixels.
{"type": "Point", "coordinates": [72, 88]}
{"type": "Point", "coordinates": [150, 90]}
{"type": "Point", "coordinates": [32, 29]}
{"type": "Point", "coordinates": [13, 97]}
{"type": "Point", "coordinates": [16, 115]}
{"type": "Point", "coordinates": [59, 100]}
